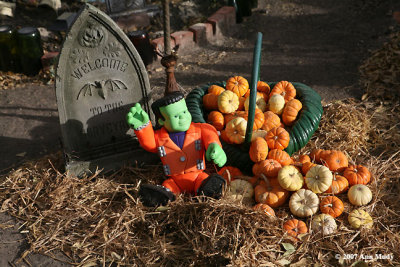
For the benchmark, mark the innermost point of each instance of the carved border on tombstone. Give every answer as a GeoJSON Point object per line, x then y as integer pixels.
{"type": "Point", "coordinates": [99, 77]}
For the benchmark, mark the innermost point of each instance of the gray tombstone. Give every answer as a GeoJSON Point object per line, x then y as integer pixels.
{"type": "Point", "coordinates": [100, 76]}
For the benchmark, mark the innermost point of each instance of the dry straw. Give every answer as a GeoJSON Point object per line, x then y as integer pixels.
{"type": "Point", "coordinates": [98, 219]}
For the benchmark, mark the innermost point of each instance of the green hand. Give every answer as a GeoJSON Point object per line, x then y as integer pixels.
{"type": "Point", "coordinates": [216, 154]}
{"type": "Point", "coordinates": [137, 117]}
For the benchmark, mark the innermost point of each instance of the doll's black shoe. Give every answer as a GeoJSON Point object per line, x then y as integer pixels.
{"type": "Point", "coordinates": [155, 195]}
{"type": "Point", "coordinates": [212, 186]}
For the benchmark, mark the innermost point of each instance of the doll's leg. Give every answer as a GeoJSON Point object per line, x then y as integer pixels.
{"type": "Point", "coordinates": [172, 186]}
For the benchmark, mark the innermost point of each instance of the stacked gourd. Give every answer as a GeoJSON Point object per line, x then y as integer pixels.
{"type": "Point", "coordinates": [275, 109]}
{"type": "Point", "coordinates": [312, 183]}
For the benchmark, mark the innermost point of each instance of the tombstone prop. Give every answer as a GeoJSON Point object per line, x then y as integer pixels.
{"type": "Point", "coordinates": [100, 76]}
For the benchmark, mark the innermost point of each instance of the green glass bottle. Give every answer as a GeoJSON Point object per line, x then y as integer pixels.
{"type": "Point", "coordinates": [30, 50]}
{"type": "Point", "coordinates": [7, 43]}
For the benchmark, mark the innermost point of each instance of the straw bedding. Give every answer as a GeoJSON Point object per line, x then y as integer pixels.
{"type": "Point", "coordinates": [98, 219]}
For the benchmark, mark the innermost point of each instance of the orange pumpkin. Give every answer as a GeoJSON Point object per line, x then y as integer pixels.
{"type": "Point", "coordinates": [241, 103]}
{"type": "Point", "coordinates": [271, 120]}
{"type": "Point", "coordinates": [263, 87]}
{"type": "Point", "coordinates": [281, 156]}
{"type": "Point", "coordinates": [268, 167]}
{"type": "Point", "coordinates": [230, 116]}
{"type": "Point", "coordinates": [224, 137]}
{"type": "Point", "coordinates": [301, 159]}
{"type": "Point", "coordinates": [215, 89]}
{"type": "Point", "coordinates": [270, 193]}
{"type": "Point", "coordinates": [216, 119]}
{"type": "Point", "coordinates": [306, 167]}
{"type": "Point", "coordinates": [238, 85]}
{"type": "Point", "coordinates": [285, 89]}
{"type": "Point", "coordinates": [277, 138]}
{"type": "Point", "coordinates": [295, 227]}
{"type": "Point", "coordinates": [229, 171]}
{"type": "Point", "coordinates": [258, 149]}
{"type": "Point", "coordinates": [319, 155]}
{"type": "Point", "coordinates": [258, 118]}
{"type": "Point", "coordinates": [290, 111]}
{"type": "Point", "coordinates": [336, 161]}
{"type": "Point", "coordinates": [357, 174]}
{"type": "Point", "coordinates": [210, 101]}
{"type": "Point", "coordinates": [331, 205]}
{"type": "Point", "coordinates": [339, 185]}
{"type": "Point", "coordinates": [265, 209]}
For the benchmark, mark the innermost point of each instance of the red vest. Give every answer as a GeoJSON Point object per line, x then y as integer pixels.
{"type": "Point", "coordinates": [175, 160]}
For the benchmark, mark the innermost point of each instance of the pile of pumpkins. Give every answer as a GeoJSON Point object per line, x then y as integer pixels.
{"type": "Point", "coordinates": [310, 183]}
{"type": "Point", "coordinates": [228, 110]}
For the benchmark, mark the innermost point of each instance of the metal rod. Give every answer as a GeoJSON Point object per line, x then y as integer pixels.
{"type": "Point", "coordinates": [167, 28]}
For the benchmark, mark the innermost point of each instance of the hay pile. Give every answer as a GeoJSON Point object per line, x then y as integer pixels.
{"type": "Point", "coordinates": [98, 219]}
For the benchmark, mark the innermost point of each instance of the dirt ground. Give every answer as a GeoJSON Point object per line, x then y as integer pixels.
{"type": "Point", "coordinates": [319, 43]}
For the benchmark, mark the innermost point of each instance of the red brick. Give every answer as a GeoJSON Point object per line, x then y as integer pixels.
{"type": "Point", "coordinates": [203, 33]}
{"type": "Point", "coordinates": [184, 39]}
{"type": "Point", "coordinates": [223, 20]}
{"type": "Point", "coordinates": [158, 44]}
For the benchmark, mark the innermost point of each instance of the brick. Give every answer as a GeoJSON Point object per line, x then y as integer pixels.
{"type": "Point", "coordinates": [223, 21]}
{"type": "Point", "coordinates": [48, 59]}
{"type": "Point", "coordinates": [202, 33]}
{"type": "Point", "coordinates": [184, 39]}
{"type": "Point", "coordinates": [158, 44]}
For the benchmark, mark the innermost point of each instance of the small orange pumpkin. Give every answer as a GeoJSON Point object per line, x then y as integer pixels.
{"type": "Point", "coordinates": [215, 89]}
{"type": "Point", "coordinates": [290, 111]}
{"type": "Point", "coordinates": [258, 149]}
{"type": "Point", "coordinates": [271, 120]}
{"type": "Point", "coordinates": [241, 103]}
{"type": "Point", "coordinates": [268, 167]}
{"type": "Point", "coordinates": [216, 119]}
{"type": "Point", "coordinates": [264, 208]}
{"type": "Point", "coordinates": [339, 184]}
{"type": "Point", "coordinates": [258, 118]}
{"type": "Point", "coordinates": [357, 174]}
{"type": "Point", "coordinates": [295, 227]}
{"type": "Point", "coordinates": [263, 87]}
{"type": "Point", "coordinates": [210, 101]}
{"type": "Point", "coordinates": [224, 137]}
{"type": "Point", "coordinates": [229, 171]}
{"type": "Point", "coordinates": [270, 193]}
{"type": "Point", "coordinates": [238, 85]}
{"type": "Point", "coordinates": [285, 89]}
{"type": "Point", "coordinates": [277, 138]}
{"type": "Point", "coordinates": [306, 167]}
{"type": "Point", "coordinates": [331, 205]}
{"type": "Point", "coordinates": [336, 161]}
{"type": "Point", "coordinates": [281, 156]}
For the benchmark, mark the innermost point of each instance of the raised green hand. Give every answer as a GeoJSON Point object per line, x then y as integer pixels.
{"type": "Point", "coordinates": [216, 154]}
{"type": "Point", "coordinates": [137, 117]}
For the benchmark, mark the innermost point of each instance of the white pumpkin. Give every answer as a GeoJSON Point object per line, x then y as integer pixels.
{"type": "Point", "coordinates": [239, 188]}
{"type": "Point", "coordinates": [290, 178]}
{"type": "Point", "coordinates": [324, 224]}
{"type": "Point", "coordinates": [319, 179]}
{"type": "Point", "coordinates": [359, 195]}
{"type": "Point", "coordinates": [360, 218]}
{"type": "Point", "coordinates": [260, 103]}
{"type": "Point", "coordinates": [304, 203]}
{"type": "Point", "coordinates": [276, 104]}
{"type": "Point", "coordinates": [258, 133]}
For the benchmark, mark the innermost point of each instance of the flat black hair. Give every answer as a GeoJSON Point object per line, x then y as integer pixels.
{"type": "Point", "coordinates": [165, 101]}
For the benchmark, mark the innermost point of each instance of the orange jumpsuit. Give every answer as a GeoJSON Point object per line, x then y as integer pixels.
{"type": "Point", "coordinates": [183, 167]}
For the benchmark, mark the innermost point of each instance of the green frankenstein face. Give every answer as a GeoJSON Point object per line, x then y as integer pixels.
{"type": "Point", "coordinates": [176, 117]}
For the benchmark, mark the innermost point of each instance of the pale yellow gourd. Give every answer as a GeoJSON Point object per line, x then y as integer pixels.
{"type": "Point", "coordinates": [276, 104]}
{"type": "Point", "coordinates": [258, 133]}
{"type": "Point", "coordinates": [324, 224]}
{"type": "Point", "coordinates": [304, 203]}
{"type": "Point", "coordinates": [319, 179]}
{"type": "Point", "coordinates": [360, 219]}
{"type": "Point", "coordinates": [240, 189]}
{"type": "Point", "coordinates": [236, 130]}
{"type": "Point", "coordinates": [359, 195]}
{"type": "Point", "coordinates": [228, 102]}
{"type": "Point", "coordinates": [290, 178]}
{"type": "Point", "coordinates": [260, 103]}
